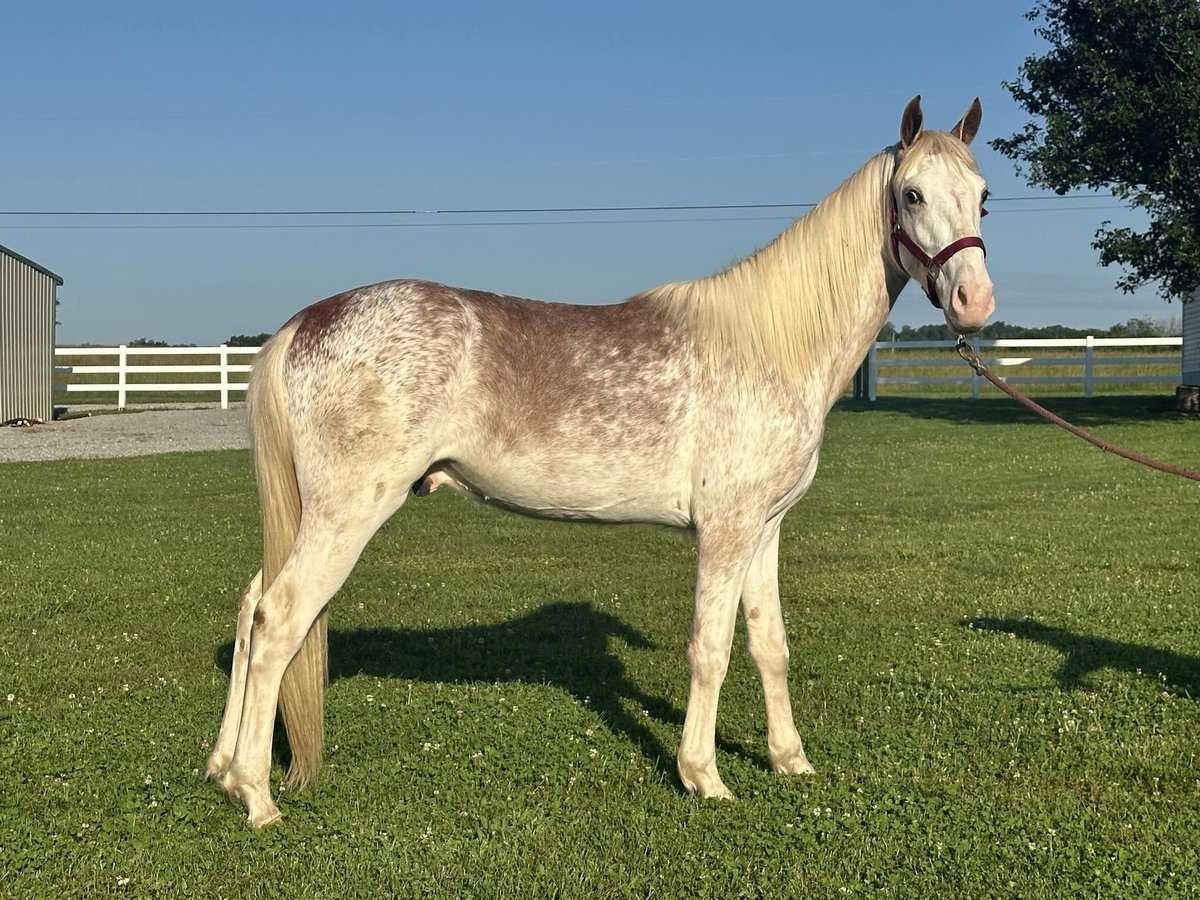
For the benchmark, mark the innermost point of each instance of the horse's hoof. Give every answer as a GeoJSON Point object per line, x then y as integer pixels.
{"type": "Point", "coordinates": [792, 763]}
{"type": "Point", "coordinates": [261, 810]}
{"type": "Point", "coordinates": [266, 816]}
{"type": "Point", "coordinates": [704, 782]}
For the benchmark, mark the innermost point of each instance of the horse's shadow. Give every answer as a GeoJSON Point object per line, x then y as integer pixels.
{"type": "Point", "coordinates": [562, 644]}
{"type": "Point", "coordinates": [1084, 654]}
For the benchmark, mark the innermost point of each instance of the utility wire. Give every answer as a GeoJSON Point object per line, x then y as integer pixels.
{"type": "Point", "coordinates": [518, 210]}
{"type": "Point", "coordinates": [501, 224]}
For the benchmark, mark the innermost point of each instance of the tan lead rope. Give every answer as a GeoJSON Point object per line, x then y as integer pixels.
{"type": "Point", "coordinates": [973, 360]}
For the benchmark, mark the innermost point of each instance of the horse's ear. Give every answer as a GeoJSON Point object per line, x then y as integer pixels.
{"type": "Point", "coordinates": [910, 122]}
{"type": "Point", "coordinates": [968, 125]}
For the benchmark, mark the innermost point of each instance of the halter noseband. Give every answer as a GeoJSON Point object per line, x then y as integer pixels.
{"type": "Point", "coordinates": [931, 264]}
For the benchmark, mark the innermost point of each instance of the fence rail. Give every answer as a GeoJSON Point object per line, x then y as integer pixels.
{"type": "Point", "coordinates": [126, 371]}
{"type": "Point", "coordinates": [1096, 354]}
{"type": "Point", "coordinates": [131, 376]}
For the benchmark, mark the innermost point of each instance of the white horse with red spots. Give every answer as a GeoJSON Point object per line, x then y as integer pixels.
{"type": "Point", "coordinates": [699, 405]}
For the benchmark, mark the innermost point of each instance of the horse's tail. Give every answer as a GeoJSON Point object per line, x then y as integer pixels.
{"type": "Point", "coordinates": [302, 691]}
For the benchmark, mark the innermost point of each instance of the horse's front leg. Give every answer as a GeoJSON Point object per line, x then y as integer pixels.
{"type": "Point", "coordinates": [769, 650]}
{"type": "Point", "coordinates": [725, 552]}
{"type": "Point", "coordinates": [222, 751]}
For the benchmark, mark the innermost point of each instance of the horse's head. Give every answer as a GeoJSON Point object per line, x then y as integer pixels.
{"type": "Point", "coordinates": [936, 202]}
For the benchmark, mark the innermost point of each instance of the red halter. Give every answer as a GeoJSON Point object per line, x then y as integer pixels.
{"type": "Point", "coordinates": [931, 264]}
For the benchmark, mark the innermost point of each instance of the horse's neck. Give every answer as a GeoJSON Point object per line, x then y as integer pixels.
{"type": "Point", "coordinates": [821, 291]}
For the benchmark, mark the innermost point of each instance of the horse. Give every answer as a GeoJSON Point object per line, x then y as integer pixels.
{"type": "Point", "coordinates": [698, 405]}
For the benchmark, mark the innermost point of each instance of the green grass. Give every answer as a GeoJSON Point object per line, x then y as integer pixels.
{"type": "Point", "coordinates": [995, 663]}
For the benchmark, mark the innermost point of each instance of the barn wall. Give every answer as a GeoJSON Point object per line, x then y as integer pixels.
{"type": "Point", "coordinates": [27, 295]}
{"type": "Point", "coordinates": [1191, 342]}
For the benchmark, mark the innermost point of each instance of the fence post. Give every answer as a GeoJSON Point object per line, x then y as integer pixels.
{"type": "Point", "coordinates": [1089, 349]}
{"type": "Point", "coordinates": [122, 380]}
{"type": "Point", "coordinates": [872, 373]}
{"type": "Point", "coordinates": [224, 376]}
{"type": "Point", "coordinates": [976, 381]}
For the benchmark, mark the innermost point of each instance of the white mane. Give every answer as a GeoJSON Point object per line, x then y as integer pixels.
{"type": "Point", "coordinates": [802, 297]}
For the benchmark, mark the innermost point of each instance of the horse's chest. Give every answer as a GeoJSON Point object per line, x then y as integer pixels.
{"type": "Point", "coordinates": [758, 447]}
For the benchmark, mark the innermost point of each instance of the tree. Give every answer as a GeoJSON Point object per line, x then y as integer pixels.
{"type": "Point", "coordinates": [248, 340]}
{"type": "Point", "coordinates": [1116, 105]}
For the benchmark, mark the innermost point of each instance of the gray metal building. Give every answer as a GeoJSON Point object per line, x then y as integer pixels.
{"type": "Point", "coordinates": [27, 305]}
{"type": "Point", "coordinates": [1191, 342]}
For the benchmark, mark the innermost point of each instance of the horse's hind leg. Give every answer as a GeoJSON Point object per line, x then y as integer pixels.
{"type": "Point", "coordinates": [725, 553]}
{"type": "Point", "coordinates": [769, 650]}
{"type": "Point", "coordinates": [325, 551]}
{"type": "Point", "coordinates": [222, 751]}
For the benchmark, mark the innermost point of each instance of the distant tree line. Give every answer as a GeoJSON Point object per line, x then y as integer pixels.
{"type": "Point", "coordinates": [237, 340]}
{"type": "Point", "coordinates": [248, 340]}
{"type": "Point", "coordinates": [1134, 328]}
{"type": "Point", "coordinates": [152, 342]}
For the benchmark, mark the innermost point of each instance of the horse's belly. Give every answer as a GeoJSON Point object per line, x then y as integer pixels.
{"type": "Point", "coordinates": [580, 489]}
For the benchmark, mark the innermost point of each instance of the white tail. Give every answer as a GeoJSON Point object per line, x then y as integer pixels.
{"type": "Point", "coordinates": [302, 691]}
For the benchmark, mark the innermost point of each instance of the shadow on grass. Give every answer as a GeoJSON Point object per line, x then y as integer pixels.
{"type": "Point", "coordinates": [1000, 410]}
{"type": "Point", "coordinates": [1084, 654]}
{"type": "Point", "coordinates": [562, 644]}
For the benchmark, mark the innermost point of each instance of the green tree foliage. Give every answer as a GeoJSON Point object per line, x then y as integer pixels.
{"type": "Point", "coordinates": [1116, 105]}
{"type": "Point", "coordinates": [248, 340]}
{"type": "Point", "coordinates": [1000, 330]}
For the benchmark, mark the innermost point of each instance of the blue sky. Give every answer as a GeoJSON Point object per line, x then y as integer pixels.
{"type": "Point", "coordinates": [370, 105]}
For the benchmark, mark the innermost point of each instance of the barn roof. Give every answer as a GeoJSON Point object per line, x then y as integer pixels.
{"type": "Point", "coordinates": [29, 262]}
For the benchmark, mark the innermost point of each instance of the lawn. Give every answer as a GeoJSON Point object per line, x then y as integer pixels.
{"type": "Point", "coordinates": [995, 666]}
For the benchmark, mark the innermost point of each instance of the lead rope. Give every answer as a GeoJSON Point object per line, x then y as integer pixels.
{"type": "Point", "coordinates": [972, 359]}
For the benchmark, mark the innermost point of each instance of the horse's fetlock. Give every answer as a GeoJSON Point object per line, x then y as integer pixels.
{"type": "Point", "coordinates": [215, 767]}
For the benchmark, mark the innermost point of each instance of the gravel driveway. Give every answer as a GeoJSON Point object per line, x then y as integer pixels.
{"type": "Point", "coordinates": [128, 434]}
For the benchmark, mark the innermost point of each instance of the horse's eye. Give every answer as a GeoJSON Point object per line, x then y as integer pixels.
{"type": "Point", "coordinates": [912, 198]}
{"type": "Point", "coordinates": [984, 197]}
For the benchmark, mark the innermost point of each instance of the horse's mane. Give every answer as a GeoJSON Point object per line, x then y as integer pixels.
{"type": "Point", "coordinates": [798, 299]}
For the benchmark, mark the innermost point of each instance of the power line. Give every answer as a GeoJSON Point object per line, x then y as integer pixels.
{"type": "Point", "coordinates": [516, 210]}
{"type": "Point", "coordinates": [337, 225]}
{"type": "Point", "coordinates": [503, 224]}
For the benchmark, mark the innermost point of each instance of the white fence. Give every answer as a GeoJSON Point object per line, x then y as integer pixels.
{"type": "Point", "coordinates": [1089, 366]}
{"type": "Point", "coordinates": [126, 365]}
{"type": "Point", "coordinates": [1085, 358]}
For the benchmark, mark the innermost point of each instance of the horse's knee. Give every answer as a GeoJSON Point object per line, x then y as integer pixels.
{"type": "Point", "coordinates": [709, 659]}
{"type": "Point", "coordinates": [769, 654]}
